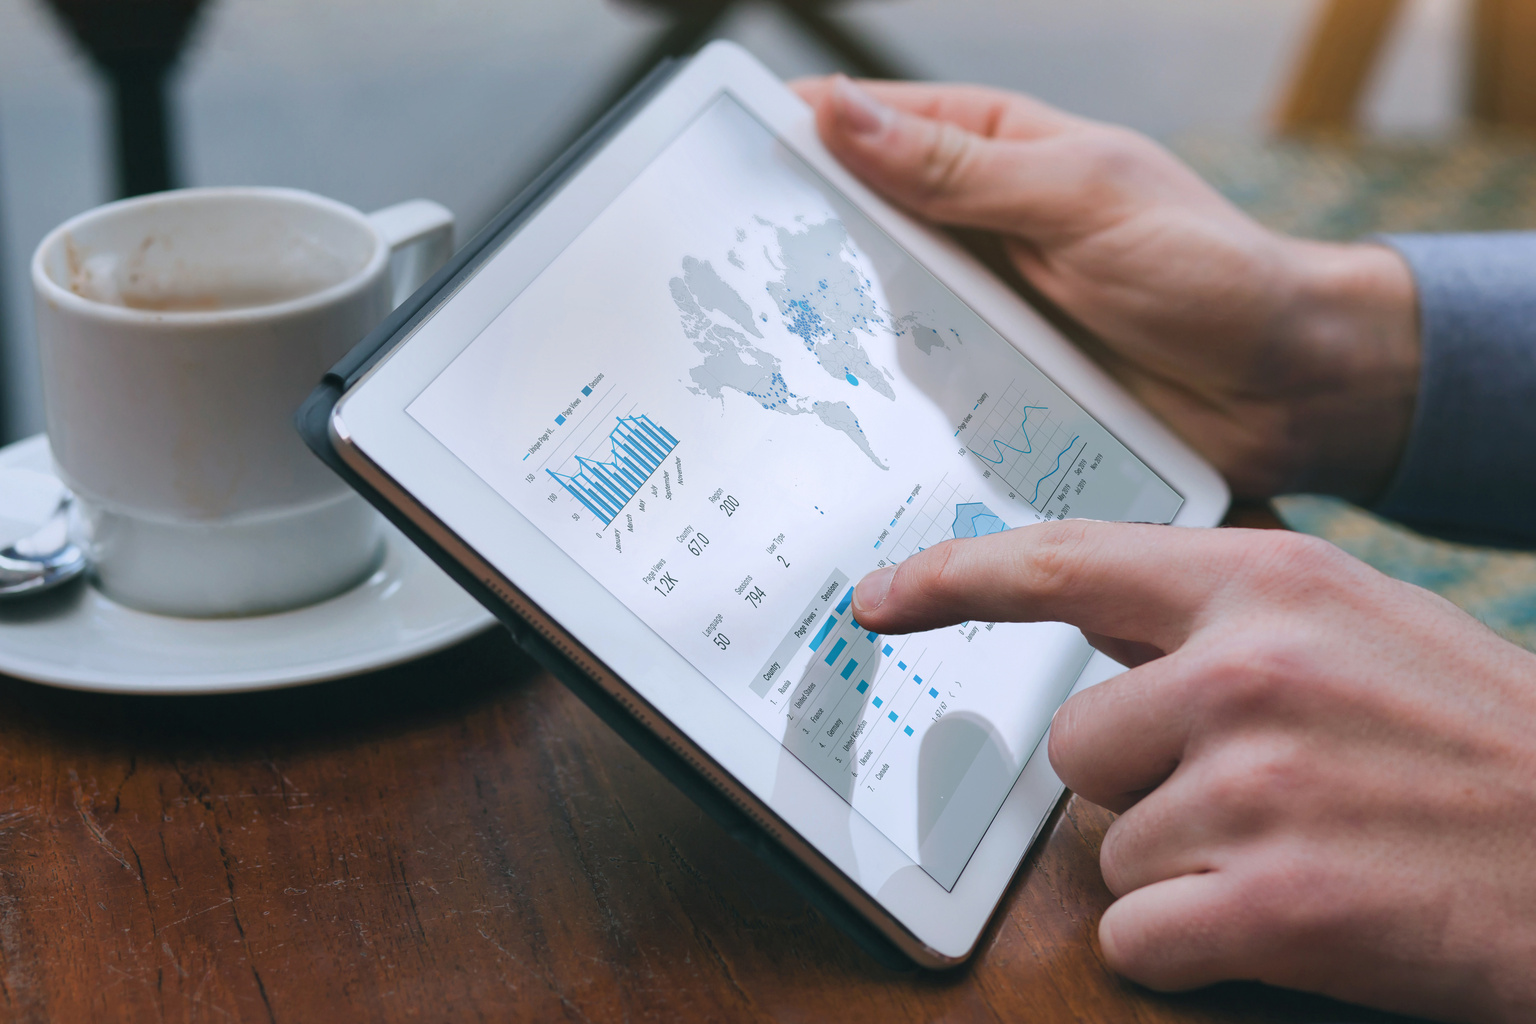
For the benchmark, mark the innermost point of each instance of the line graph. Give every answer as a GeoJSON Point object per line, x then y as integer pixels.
{"type": "Point", "coordinates": [637, 447]}
{"type": "Point", "coordinates": [1024, 444]}
{"type": "Point", "coordinates": [1029, 445]}
{"type": "Point", "coordinates": [1054, 469]}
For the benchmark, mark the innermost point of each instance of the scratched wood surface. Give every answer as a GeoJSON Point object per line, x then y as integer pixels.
{"type": "Point", "coordinates": [461, 839]}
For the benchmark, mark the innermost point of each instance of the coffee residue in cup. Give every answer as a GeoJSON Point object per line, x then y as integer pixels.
{"type": "Point", "coordinates": [99, 277]}
{"type": "Point", "coordinates": [177, 303]}
{"type": "Point", "coordinates": [93, 277]}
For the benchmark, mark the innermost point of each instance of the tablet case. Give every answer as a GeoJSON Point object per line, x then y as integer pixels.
{"type": "Point", "coordinates": [313, 421]}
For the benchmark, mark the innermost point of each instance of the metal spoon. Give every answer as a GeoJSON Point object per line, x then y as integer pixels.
{"type": "Point", "coordinates": [43, 560]}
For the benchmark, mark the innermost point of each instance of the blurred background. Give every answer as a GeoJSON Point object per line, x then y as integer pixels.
{"type": "Point", "coordinates": [1331, 118]}
{"type": "Point", "coordinates": [373, 101]}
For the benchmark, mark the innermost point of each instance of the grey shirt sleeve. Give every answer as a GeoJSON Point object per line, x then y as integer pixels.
{"type": "Point", "coordinates": [1469, 469]}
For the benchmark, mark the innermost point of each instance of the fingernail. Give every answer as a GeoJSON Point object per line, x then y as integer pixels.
{"type": "Point", "coordinates": [869, 595]}
{"type": "Point", "coordinates": [859, 112]}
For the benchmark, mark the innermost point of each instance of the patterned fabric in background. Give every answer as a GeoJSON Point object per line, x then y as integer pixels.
{"type": "Point", "coordinates": [1344, 191]}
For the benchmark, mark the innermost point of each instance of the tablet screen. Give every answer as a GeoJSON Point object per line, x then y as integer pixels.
{"type": "Point", "coordinates": [730, 397]}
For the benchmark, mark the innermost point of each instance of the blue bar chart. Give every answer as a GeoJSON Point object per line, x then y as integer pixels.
{"type": "Point", "coordinates": [850, 693]}
{"type": "Point", "coordinates": [637, 448]}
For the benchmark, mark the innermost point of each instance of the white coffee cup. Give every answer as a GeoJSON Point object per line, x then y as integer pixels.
{"type": "Point", "coordinates": [179, 333]}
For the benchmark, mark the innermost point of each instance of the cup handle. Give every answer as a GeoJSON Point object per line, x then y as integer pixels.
{"type": "Point", "coordinates": [419, 233]}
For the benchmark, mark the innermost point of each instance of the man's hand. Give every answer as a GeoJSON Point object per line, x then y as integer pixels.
{"type": "Point", "coordinates": [1326, 778]}
{"type": "Point", "coordinates": [1289, 364]}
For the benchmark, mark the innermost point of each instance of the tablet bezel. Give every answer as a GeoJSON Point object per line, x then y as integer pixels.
{"type": "Point", "coordinates": [373, 433]}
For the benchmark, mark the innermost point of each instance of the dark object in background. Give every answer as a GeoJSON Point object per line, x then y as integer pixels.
{"type": "Point", "coordinates": [135, 43]}
{"type": "Point", "coordinates": [692, 23]}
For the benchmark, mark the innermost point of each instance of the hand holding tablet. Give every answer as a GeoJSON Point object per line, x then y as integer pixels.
{"type": "Point", "coordinates": [1290, 364]}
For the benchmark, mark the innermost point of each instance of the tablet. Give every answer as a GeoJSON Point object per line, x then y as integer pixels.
{"type": "Point", "coordinates": [711, 381]}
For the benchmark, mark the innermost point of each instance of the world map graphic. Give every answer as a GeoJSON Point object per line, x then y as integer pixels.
{"type": "Point", "coordinates": [822, 299]}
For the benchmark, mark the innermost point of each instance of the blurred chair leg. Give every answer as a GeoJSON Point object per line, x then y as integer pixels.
{"type": "Point", "coordinates": [141, 122]}
{"type": "Point", "coordinates": [685, 34]}
{"type": "Point", "coordinates": [1504, 63]}
{"type": "Point", "coordinates": [1324, 93]}
{"type": "Point", "coordinates": [135, 43]}
{"type": "Point", "coordinates": [690, 26]}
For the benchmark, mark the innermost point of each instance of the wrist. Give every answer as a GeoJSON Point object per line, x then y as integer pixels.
{"type": "Point", "coordinates": [1353, 336]}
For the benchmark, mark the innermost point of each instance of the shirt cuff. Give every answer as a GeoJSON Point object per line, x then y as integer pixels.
{"type": "Point", "coordinates": [1468, 471]}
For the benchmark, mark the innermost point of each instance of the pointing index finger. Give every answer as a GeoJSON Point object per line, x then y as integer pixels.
{"type": "Point", "coordinates": [1132, 581]}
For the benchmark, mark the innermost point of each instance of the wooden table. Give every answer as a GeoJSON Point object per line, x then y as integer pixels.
{"type": "Point", "coordinates": [462, 839]}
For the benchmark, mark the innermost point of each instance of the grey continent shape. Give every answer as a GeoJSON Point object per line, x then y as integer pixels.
{"type": "Point", "coordinates": [731, 362]}
{"type": "Point", "coordinates": [713, 293]}
{"type": "Point", "coordinates": [826, 302]}
{"type": "Point", "coordinates": [924, 337]}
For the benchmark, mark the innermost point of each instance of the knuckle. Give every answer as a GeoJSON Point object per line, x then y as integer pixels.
{"type": "Point", "coordinates": [946, 159]}
{"type": "Point", "coordinates": [1116, 859]}
{"type": "Point", "coordinates": [1274, 917]}
{"type": "Point", "coordinates": [1063, 744]}
{"type": "Point", "coordinates": [1110, 155]}
{"type": "Point", "coordinates": [1282, 557]}
{"type": "Point", "coordinates": [1253, 679]}
{"type": "Point", "coordinates": [1306, 551]}
{"type": "Point", "coordinates": [1208, 685]}
{"type": "Point", "coordinates": [1135, 937]}
{"type": "Point", "coordinates": [1252, 781]}
{"type": "Point", "coordinates": [934, 576]}
{"type": "Point", "coordinates": [1048, 566]}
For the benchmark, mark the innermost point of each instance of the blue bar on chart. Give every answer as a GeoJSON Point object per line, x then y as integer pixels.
{"type": "Point", "coordinates": [863, 685]}
{"type": "Point", "coordinates": [837, 650]}
{"type": "Point", "coordinates": [886, 650]}
{"type": "Point", "coordinates": [908, 730]}
{"type": "Point", "coordinates": [893, 716]}
{"type": "Point", "coordinates": [637, 448]}
{"type": "Point", "coordinates": [878, 702]}
{"type": "Point", "coordinates": [842, 605]}
{"type": "Point", "coordinates": [821, 634]}
{"type": "Point", "coordinates": [871, 636]}
{"type": "Point", "coordinates": [815, 627]}
{"type": "Point", "coordinates": [932, 692]}
{"type": "Point", "coordinates": [850, 668]}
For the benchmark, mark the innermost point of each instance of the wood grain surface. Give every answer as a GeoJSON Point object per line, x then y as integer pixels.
{"type": "Point", "coordinates": [461, 839]}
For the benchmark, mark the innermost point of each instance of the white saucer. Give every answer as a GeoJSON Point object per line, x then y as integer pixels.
{"type": "Point", "coordinates": [84, 640]}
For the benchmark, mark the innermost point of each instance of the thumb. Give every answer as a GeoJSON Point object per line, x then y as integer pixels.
{"type": "Point", "coordinates": [943, 171]}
